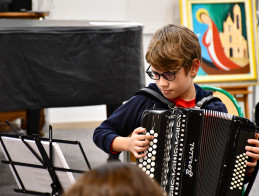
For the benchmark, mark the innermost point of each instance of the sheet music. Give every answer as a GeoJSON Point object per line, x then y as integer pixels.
{"type": "Point", "coordinates": [36, 179]}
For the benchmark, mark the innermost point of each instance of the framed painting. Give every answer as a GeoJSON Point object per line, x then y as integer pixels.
{"type": "Point", "coordinates": [227, 31]}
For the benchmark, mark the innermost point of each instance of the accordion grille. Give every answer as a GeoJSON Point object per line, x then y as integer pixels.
{"type": "Point", "coordinates": [213, 142]}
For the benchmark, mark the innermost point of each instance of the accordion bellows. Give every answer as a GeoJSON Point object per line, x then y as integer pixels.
{"type": "Point", "coordinates": [197, 152]}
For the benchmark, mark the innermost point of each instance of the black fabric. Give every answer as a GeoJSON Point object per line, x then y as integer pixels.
{"type": "Point", "coordinates": [68, 63]}
{"type": "Point", "coordinates": [21, 5]}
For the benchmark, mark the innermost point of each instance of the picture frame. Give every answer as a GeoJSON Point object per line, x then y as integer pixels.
{"type": "Point", "coordinates": [228, 38]}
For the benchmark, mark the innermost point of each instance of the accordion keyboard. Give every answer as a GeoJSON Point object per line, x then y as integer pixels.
{"type": "Point", "coordinates": [147, 164]}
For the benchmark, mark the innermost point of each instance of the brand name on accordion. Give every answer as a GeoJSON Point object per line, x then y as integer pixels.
{"type": "Point", "coordinates": [189, 170]}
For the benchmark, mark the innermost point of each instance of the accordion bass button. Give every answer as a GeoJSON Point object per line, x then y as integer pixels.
{"type": "Point", "coordinates": [155, 134]}
{"type": "Point", "coordinates": [152, 131]}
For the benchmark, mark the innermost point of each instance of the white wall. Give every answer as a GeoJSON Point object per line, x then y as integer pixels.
{"type": "Point", "coordinates": [152, 14]}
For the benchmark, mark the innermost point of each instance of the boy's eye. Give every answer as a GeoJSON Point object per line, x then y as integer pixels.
{"type": "Point", "coordinates": [156, 74]}
{"type": "Point", "coordinates": [169, 76]}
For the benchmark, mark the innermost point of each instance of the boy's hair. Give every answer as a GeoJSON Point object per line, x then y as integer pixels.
{"type": "Point", "coordinates": [115, 179]}
{"type": "Point", "coordinates": [173, 46]}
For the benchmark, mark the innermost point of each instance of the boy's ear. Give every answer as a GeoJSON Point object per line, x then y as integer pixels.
{"type": "Point", "coordinates": [195, 67]}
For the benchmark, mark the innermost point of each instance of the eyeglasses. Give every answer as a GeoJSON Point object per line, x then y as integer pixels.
{"type": "Point", "coordinates": [170, 76]}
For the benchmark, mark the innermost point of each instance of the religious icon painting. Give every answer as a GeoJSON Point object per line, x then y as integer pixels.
{"type": "Point", "coordinates": [227, 31]}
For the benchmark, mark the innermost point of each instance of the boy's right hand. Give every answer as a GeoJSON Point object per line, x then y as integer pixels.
{"type": "Point", "coordinates": [139, 142]}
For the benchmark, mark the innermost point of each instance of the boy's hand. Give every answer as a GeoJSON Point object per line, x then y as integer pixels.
{"type": "Point", "coordinates": [253, 152]}
{"type": "Point", "coordinates": [139, 142]}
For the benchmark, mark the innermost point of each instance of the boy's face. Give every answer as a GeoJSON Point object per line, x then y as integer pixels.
{"type": "Point", "coordinates": [182, 86]}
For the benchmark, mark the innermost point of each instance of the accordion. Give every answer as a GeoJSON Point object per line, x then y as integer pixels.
{"type": "Point", "coordinates": [197, 152]}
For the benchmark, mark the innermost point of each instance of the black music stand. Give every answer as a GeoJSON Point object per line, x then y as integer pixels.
{"type": "Point", "coordinates": [46, 163]}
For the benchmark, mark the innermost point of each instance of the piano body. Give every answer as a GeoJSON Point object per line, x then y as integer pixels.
{"type": "Point", "coordinates": [57, 63]}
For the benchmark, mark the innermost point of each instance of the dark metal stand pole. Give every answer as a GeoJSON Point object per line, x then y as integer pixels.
{"type": "Point", "coordinates": [33, 121]}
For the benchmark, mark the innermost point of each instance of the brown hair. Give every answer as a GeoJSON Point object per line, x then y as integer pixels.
{"type": "Point", "coordinates": [115, 179]}
{"type": "Point", "coordinates": [173, 46]}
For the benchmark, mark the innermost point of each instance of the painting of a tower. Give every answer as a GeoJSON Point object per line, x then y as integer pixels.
{"type": "Point", "coordinates": [234, 43]}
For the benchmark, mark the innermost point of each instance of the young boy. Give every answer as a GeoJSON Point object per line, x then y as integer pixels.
{"type": "Point", "coordinates": [174, 55]}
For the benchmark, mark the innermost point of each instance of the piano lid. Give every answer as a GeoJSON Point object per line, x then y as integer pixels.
{"type": "Point", "coordinates": [21, 25]}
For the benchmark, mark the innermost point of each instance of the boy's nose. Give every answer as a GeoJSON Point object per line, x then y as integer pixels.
{"type": "Point", "coordinates": [162, 81]}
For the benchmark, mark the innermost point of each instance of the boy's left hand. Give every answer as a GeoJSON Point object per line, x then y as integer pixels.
{"type": "Point", "coordinates": [253, 152]}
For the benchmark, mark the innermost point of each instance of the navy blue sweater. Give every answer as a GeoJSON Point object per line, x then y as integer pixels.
{"type": "Point", "coordinates": [127, 117]}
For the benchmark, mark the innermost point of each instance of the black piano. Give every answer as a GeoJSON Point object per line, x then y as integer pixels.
{"type": "Point", "coordinates": [57, 63]}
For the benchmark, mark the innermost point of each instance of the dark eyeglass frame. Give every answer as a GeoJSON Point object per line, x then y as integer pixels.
{"type": "Point", "coordinates": [151, 73]}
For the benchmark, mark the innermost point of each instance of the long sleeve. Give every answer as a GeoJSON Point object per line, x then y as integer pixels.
{"type": "Point", "coordinates": [122, 122]}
